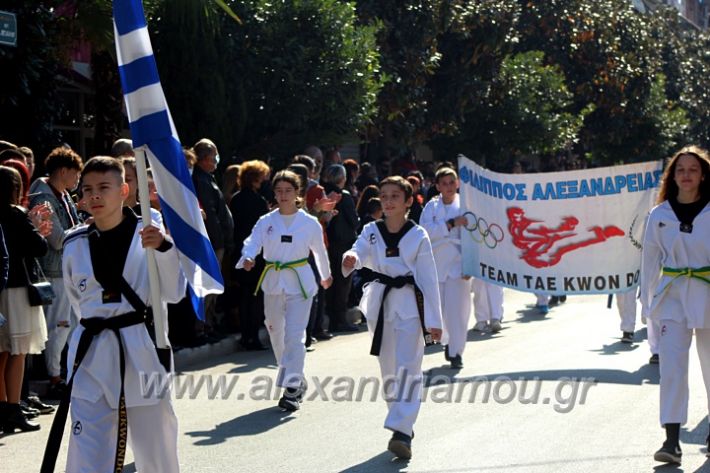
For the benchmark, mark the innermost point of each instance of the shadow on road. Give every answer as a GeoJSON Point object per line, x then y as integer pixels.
{"type": "Point", "coordinates": [254, 423]}
{"type": "Point", "coordinates": [530, 314]}
{"type": "Point", "coordinates": [385, 462]}
{"type": "Point", "coordinates": [647, 374]}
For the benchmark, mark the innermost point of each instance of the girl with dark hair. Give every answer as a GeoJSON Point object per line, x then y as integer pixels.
{"type": "Point", "coordinates": [675, 285]}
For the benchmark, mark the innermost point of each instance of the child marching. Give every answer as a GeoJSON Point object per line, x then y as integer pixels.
{"type": "Point", "coordinates": [287, 235]}
{"type": "Point", "coordinates": [675, 285]}
{"type": "Point", "coordinates": [106, 278]}
{"type": "Point", "coordinates": [401, 305]}
{"type": "Point", "coordinates": [442, 219]}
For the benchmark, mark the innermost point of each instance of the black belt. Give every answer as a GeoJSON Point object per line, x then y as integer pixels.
{"type": "Point", "coordinates": [389, 283]}
{"type": "Point", "coordinates": [93, 327]}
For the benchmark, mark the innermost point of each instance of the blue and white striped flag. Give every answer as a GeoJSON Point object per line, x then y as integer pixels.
{"type": "Point", "coordinates": [153, 129]}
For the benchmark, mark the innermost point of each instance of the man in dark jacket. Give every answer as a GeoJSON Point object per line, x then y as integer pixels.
{"type": "Point", "coordinates": [219, 223]}
{"type": "Point", "coordinates": [342, 233]}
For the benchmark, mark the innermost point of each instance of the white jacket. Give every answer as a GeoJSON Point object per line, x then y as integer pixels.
{"type": "Point", "coordinates": [99, 373]}
{"type": "Point", "coordinates": [664, 245]}
{"type": "Point", "coordinates": [415, 258]}
{"type": "Point", "coordinates": [305, 235]}
{"type": "Point", "coordinates": [445, 244]}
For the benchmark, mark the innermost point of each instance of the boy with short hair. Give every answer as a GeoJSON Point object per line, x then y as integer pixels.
{"type": "Point", "coordinates": [401, 304]}
{"type": "Point", "coordinates": [106, 278]}
{"type": "Point", "coordinates": [63, 167]}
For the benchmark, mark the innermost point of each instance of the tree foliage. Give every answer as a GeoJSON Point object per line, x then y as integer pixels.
{"type": "Point", "coordinates": [610, 59]}
{"type": "Point", "coordinates": [29, 101]}
{"type": "Point", "coordinates": [527, 111]}
{"type": "Point", "coordinates": [495, 79]}
{"type": "Point", "coordinates": [291, 73]}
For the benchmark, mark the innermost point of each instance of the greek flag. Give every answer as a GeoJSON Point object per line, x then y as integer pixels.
{"type": "Point", "coordinates": [152, 129]}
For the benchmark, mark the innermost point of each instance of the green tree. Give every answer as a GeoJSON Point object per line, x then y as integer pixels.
{"type": "Point", "coordinates": [408, 44]}
{"type": "Point", "coordinates": [527, 111]}
{"type": "Point", "coordinates": [476, 37]}
{"type": "Point", "coordinates": [610, 59]}
{"type": "Point", "coordinates": [292, 73]}
{"type": "Point", "coordinates": [190, 53]}
{"type": "Point", "coordinates": [29, 101]}
{"type": "Point", "coordinates": [686, 65]}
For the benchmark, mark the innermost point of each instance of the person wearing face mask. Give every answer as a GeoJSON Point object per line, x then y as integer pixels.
{"type": "Point", "coordinates": [63, 167]}
{"type": "Point", "coordinates": [675, 285]}
{"type": "Point", "coordinates": [219, 223]}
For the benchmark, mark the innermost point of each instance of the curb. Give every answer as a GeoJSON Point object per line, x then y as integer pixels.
{"type": "Point", "coordinates": [188, 357]}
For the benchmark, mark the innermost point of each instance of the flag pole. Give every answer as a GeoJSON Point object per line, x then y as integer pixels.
{"type": "Point", "coordinates": [159, 317]}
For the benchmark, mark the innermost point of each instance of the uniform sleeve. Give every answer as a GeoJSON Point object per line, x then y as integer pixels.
{"type": "Point", "coordinates": [427, 280]}
{"type": "Point", "coordinates": [171, 276]}
{"type": "Point", "coordinates": [317, 246]}
{"type": "Point", "coordinates": [361, 251]}
{"type": "Point", "coordinates": [436, 230]}
{"type": "Point", "coordinates": [253, 243]}
{"type": "Point", "coordinates": [69, 287]}
{"type": "Point", "coordinates": [651, 260]}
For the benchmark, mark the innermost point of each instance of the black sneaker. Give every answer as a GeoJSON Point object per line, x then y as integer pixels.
{"type": "Point", "coordinates": [35, 403]}
{"type": "Point", "coordinates": [668, 454]}
{"type": "Point", "coordinates": [28, 411]}
{"type": "Point", "coordinates": [707, 446]}
{"type": "Point", "coordinates": [290, 400]}
{"type": "Point", "coordinates": [401, 445]}
{"type": "Point", "coordinates": [655, 359]}
{"type": "Point", "coordinates": [627, 337]}
{"type": "Point", "coordinates": [456, 362]}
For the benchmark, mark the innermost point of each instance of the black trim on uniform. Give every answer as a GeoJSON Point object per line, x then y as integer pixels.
{"type": "Point", "coordinates": [392, 244]}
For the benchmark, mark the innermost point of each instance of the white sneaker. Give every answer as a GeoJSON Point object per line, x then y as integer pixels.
{"type": "Point", "coordinates": [496, 326]}
{"type": "Point", "coordinates": [481, 327]}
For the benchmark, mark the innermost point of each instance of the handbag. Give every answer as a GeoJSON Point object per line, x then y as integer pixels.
{"type": "Point", "coordinates": [41, 292]}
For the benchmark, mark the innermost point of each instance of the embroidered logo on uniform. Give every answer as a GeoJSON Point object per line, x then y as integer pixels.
{"type": "Point", "coordinates": [76, 428]}
{"type": "Point", "coordinates": [270, 230]}
{"type": "Point", "coordinates": [82, 285]}
{"type": "Point", "coordinates": [661, 224]}
{"type": "Point", "coordinates": [372, 238]}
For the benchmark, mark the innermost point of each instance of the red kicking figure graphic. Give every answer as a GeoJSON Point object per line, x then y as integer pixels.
{"type": "Point", "coordinates": [537, 241]}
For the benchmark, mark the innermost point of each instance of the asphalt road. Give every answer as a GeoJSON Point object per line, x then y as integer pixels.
{"type": "Point", "coordinates": [558, 393]}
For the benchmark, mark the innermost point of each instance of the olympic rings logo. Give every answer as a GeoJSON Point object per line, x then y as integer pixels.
{"type": "Point", "coordinates": [481, 232]}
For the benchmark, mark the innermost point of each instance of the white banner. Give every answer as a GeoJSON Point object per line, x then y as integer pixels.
{"type": "Point", "coordinates": [572, 232]}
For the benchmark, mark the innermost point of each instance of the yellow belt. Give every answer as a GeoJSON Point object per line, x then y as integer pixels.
{"type": "Point", "coordinates": [702, 274]}
{"type": "Point", "coordinates": [278, 266]}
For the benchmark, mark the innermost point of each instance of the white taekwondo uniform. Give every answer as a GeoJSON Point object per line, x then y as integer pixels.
{"type": "Point", "coordinates": [455, 291]}
{"type": "Point", "coordinates": [680, 304]}
{"type": "Point", "coordinates": [288, 291]}
{"type": "Point", "coordinates": [488, 301]}
{"type": "Point", "coordinates": [402, 347]}
{"type": "Point", "coordinates": [152, 424]}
